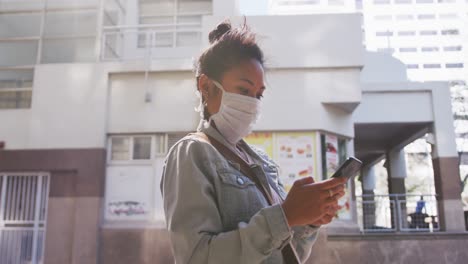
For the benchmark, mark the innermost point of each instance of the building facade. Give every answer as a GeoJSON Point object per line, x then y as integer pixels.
{"type": "Point", "coordinates": [94, 93]}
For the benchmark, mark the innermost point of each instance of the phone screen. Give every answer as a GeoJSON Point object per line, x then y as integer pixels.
{"type": "Point", "coordinates": [349, 168]}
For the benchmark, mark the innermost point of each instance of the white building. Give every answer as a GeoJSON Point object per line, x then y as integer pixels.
{"type": "Point", "coordinates": [430, 37]}
{"type": "Point", "coordinates": [93, 93]}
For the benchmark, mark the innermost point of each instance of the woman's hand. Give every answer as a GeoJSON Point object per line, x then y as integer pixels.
{"type": "Point", "coordinates": [309, 202]}
{"type": "Point", "coordinates": [328, 217]}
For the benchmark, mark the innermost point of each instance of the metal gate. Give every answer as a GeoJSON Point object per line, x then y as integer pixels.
{"type": "Point", "coordinates": [23, 211]}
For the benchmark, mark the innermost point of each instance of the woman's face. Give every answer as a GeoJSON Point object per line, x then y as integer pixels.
{"type": "Point", "coordinates": [247, 79]}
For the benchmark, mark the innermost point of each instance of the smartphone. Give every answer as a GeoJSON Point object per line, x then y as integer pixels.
{"type": "Point", "coordinates": [348, 169]}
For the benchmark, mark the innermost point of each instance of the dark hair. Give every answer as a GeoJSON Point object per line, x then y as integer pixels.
{"type": "Point", "coordinates": [228, 47]}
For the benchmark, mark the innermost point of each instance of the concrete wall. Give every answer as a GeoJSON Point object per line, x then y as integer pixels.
{"type": "Point", "coordinates": [304, 41]}
{"type": "Point", "coordinates": [67, 110]}
{"type": "Point", "coordinates": [308, 71]}
{"type": "Point", "coordinates": [171, 109]}
{"type": "Point", "coordinates": [394, 107]}
{"type": "Point", "coordinates": [75, 198]}
{"type": "Point", "coordinates": [410, 102]}
{"type": "Point", "coordinates": [293, 101]}
{"type": "Point", "coordinates": [152, 246]}
{"type": "Point", "coordinates": [403, 249]}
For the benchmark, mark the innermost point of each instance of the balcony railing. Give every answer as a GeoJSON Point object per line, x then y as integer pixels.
{"type": "Point", "coordinates": [147, 41]}
{"type": "Point", "coordinates": [398, 213]}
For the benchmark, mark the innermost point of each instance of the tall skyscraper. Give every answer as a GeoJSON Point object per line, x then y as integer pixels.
{"type": "Point", "coordinates": [429, 36]}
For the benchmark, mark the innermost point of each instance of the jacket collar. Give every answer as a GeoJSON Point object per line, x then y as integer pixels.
{"type": "Point", "coordinates": [208, 129]}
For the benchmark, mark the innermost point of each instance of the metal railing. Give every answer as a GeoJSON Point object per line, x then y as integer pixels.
{"type": "Point", "coordinates": [143, 41]}
{"type": "Point", "coordinates": [398, 213]}
{"type": "Point", "coordinates": [23, 214]}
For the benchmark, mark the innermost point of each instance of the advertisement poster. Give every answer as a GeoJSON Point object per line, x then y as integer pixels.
{"type": "Point", "coordinates": [345, 212]}
{"type": "Point", "coordinates": [128, 192]}
{"type": "Point", "coordinates": [261, 140]}
{"type": "Point", "coordinates": [296, 155]}
{"type": "Point", "coordinates": [332, 163]}
{"type": "Point", "coordinates": [331, 154]}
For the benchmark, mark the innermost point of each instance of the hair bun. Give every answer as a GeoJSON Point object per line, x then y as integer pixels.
{"type": "Point", "coordinates": [219, 31]}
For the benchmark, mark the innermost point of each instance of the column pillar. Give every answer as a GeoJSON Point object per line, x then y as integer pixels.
{"type": "Point", "coordinates": [445, 163]}
{"type": "Point", "coordinates": [368, 205]}
{"type": "Point", "coordinates": [396, 168]}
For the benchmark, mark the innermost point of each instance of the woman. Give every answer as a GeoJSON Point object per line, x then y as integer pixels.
{"type": "Point", "coordinates": [223, 200]}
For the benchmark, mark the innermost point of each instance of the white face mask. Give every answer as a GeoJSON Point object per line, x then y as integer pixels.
{"type": "Point", "coordinates": [236, 116]}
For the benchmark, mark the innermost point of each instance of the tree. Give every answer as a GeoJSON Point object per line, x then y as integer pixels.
{"type": "Point", "coordinates": [459, 92]}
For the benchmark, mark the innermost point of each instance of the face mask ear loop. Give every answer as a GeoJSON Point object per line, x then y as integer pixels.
{"type": "Point", "coordinates": [200, 108]}
{"type": "Point", "coordinates": [217, 84]}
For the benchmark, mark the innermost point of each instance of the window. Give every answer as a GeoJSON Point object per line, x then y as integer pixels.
{"type": "Point", "coordinates": [426, 16]}
{"type": "Point", "coordinates": [387, 50]}
{"type": "Point", "coordinates": [113, 11]}
{"type": "Point", "coordinates": [428, 32]}
{"type": "Point", "coordinates": [406, 33]}
{"type": "Point", "coordinates": [16, 88]}
{"type": "Point", "coordinates": [297, 2]}
{"type": "Point", "coordinates": [431, 66]}
{"type": "Point", "coordinates": [412, 66]}
{"type": "Point", "coordinates": [429, 49]}
{"type": "Point", "coordinates": [453, 48]}
{"type": "Point", "coordinates": [454, 65]}
{"type": "Point", "coordinates": [120, 148]}
{"type": "Point", "coordinates": [142, 148]}
{"type": "Point", "coordinates": [384, 33]}
{"type": "Point", "coordinates": [404, 17]}
{"type": "Point", "coordinates": [381, 2]}
{"type": "Point", "coordinates": [383, 18]}
{"type": "Point", "coordinates": [407, 49]}
{"type": "Point", "coordinates": [448, 16]}
{"type": "Point", "coordinates": [69, 34]}
{"type": "Point", "coordinates": [175, 23]}
{"type": "Point", "coordinates": [450, 32]}
{"type": "Point", "coordinates": [19, 34]}
{"type": "Point", "coordinates": [137, 147]}
{"type": "Point", "coordinates": [336, 2]}
{"type": "Point", "coordinates": [402, 1]}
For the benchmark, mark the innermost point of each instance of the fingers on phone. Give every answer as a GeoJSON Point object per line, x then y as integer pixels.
{"type": "Point", "coordinates": [337, 189]}
{"type": "Point", "coordinates": [332, 183]}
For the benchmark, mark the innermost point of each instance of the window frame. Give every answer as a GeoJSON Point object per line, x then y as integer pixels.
{"type": "Point", "coordinates": [19, 89]}
{"type": "Point", "coordinates": [154, 153]}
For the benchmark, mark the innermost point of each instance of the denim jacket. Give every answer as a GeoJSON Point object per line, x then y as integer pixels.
{"type": "Point", "coordinates": [215, 214]}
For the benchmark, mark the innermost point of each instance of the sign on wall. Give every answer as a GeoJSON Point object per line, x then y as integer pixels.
{"type": "Point", "coordinates": [129, 192]}
{"type": "Point", "coordinates": [294, 152]}
{"type": "Point", "coordinates": [331, 154]}
{"type": "Point", "coordinates": [332, 162]}
{"type": "Point", "coordinates": [261, 140]}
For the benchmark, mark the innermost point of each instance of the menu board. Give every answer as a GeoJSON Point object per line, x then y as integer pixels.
{"type": "Point", "coordinates": [261, 140]}
{"type": "Point", "coordinates": [331, 154]}
{"type": "Point", "coordinates": [332, 163]}
{"type": "Point", "coordinates": [295, 152]}
{"type": "Point", "coordinates": [345, 212]}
